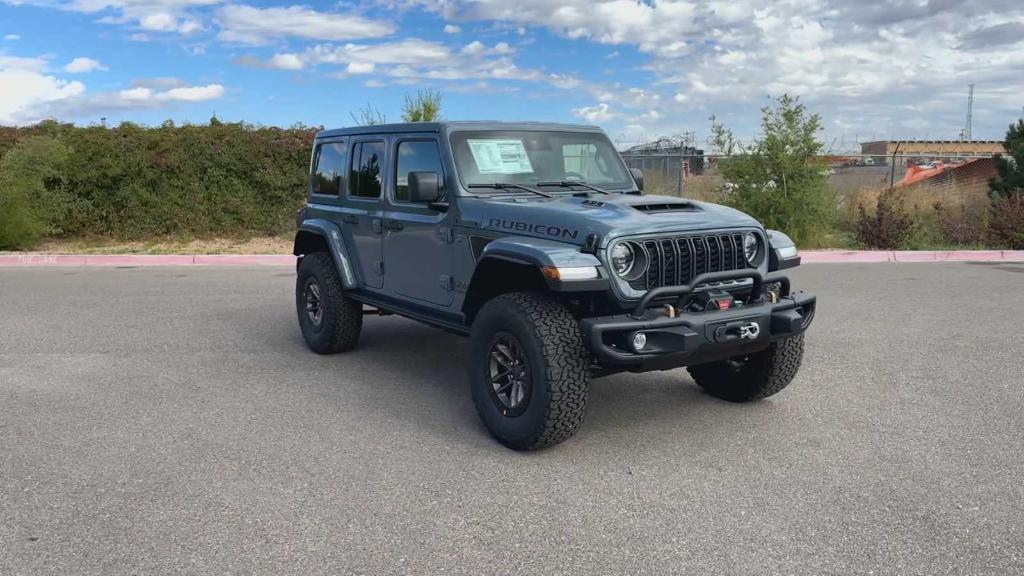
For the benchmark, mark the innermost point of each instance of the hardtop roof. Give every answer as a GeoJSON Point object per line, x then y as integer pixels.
{"type": "Point", "coordinates": [452, 126]}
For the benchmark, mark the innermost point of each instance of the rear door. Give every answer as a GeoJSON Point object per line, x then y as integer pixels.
{"type": "Point", "coordinates": [417, 239]}
{"type": "Point", "coordinates": [363, 208]}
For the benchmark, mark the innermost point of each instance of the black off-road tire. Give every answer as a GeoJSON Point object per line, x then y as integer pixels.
{"type": "Point", "coordinates": [342, 317]}
{"type": "Point", "coordinates": [759, 376]}
{"type": "Point", "coordinates": [556, 361]}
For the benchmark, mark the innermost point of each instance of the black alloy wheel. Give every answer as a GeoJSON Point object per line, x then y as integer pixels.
{"type": "Point", "coordinates": [314, 304]}
{"type": "Point", "coordinates": [509, 374]}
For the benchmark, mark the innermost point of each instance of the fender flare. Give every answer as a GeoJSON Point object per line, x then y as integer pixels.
{"type": "Point", "coordinates": [782, 252]}
{"type": "Point", "coordinates": [538, 252]}
{"type": "Point", "coordinates": [331, 235]}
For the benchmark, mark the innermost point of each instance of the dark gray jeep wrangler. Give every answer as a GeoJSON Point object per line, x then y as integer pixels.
{"type": "Point", "coordinates": [536, 241]}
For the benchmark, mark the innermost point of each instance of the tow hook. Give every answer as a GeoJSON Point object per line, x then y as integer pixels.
{"type": "Point", "coordinates": [742, 330]}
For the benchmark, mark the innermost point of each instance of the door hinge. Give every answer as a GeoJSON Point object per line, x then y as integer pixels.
{"type": "Point", "coordinates": [378, 267]}
{"type": "Point", "coordinates": [446, 283]}
{"type": "Point", "coordinates": [377, 225]}
{"type": "Point", "coordinates": [445, 233]}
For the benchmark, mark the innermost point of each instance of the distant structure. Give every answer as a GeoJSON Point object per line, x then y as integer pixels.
{"type": "Point", "coordinates": [882, 150]}
{"type": "Point", "coordinates": [666, 156]}
{"type": "Point", "coordinates": [970, 111]}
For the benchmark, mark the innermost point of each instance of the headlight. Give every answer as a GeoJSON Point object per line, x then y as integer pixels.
{"type": "Point", "coordinates": [623, 258]}
{"type": "Point", "coordinates": [750, 247]}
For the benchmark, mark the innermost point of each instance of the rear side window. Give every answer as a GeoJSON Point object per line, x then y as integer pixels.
{"type": "Point", "coordinates": [329, 170]}
{"type": "Point", "coordinates": [415, 156]}
{"type": "Point", "coordinates": [365, 177]}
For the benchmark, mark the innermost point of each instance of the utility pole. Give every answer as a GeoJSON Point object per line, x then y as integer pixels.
{"type": "Point", "coordinates": [970, 110]}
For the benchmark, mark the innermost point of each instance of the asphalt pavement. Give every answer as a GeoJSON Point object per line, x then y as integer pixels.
{"type": "Point", "coordinates": [171, 421]}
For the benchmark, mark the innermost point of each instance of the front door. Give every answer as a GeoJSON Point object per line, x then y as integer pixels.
{"type": "Point", "coordinates": [363, 211]}
{"type": "Point", "coordinates": [417, 239]}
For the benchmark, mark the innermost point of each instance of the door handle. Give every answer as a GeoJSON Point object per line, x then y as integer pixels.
{"type": "Point", "coordinates": [350, 218]}
{"type": "Point", "coordinates": [393, 225]}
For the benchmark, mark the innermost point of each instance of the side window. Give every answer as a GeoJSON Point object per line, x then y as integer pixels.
{"type": "Point", "coordinates": [364, 178]}
{"type": "Point", "coordinates": [329, 170]}
{"type": "Point", "coordinates": [422, 156]}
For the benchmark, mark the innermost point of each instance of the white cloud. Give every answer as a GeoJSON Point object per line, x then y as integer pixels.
{"type": "Point", "coordinates": [26, 88]}
{"type": "Point", "coordinates": [82, 65]}
{"type": "Point", "coordinates": [406, 61]}
{"type": "Point", "coordinates": [478, 48]}
{"type": "Point", "coordinates": [150, 15]}
{"type": "Point", "coordinates": [32, 94]}
{"type": "Point", "coordinates": [11, 37]}
{"type": "Point", "coordinates": [286, 62]}
{"type": "Point", "coordinates": [250, 25]}
{"type": "Point", "coordinates": [29, 64]}
{"type": "Point", "coordinates": [895, 65]}
{"type": "Point", "coordinates": [194, 93]}
{"type": "Point", "coordinates": [602, 112]}
{"type": "Point", "coordinates": [147, 95]}
{"type": "Point", "coordinates": [360, 67]}
{"type": "Point", "coordinates": [451, 29]}
{"type": "Point", "coordinates": [563, 81]}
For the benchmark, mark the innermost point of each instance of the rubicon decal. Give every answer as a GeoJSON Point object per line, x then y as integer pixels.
{"type": "Point", "coordinates": [556, 231]}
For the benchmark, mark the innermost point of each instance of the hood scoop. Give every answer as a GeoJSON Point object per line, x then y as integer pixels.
{"type": "Point", "coordinates": [667, 207]}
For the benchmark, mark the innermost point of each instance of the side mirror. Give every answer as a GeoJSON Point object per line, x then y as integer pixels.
{"type": "Point", "coordinates": [424, 187]}
{"type": "Point", "coordinates": [638, 176]}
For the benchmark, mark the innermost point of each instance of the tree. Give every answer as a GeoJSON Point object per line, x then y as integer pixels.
{"type": "Point", "coordinates": [778, 178]}
{"type": "Point", "coordinates": [368, 116]}
{"type": "Point", "coordinates": [1011, 170]}
{"type": "Point", "coordinates": [425, 106]}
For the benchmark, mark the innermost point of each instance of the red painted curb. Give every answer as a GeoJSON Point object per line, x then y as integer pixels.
{"type": "Point", "coordinates": [840, 256]}
{"type": "Point", "coordinates": [146, 260]}
{"type": "Point", "coordinates": [852, 256]}
{"type": "Point", "coordinates": [808, 256]}
{"type": "Point", "coordinates": [244, 259]}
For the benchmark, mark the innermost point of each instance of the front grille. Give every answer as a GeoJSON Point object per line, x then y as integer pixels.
{"type": "Point", "coordinates": [674, 261]}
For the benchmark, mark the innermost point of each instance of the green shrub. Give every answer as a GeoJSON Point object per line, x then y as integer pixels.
{"type": "Point", "coordinates": [1010, 169]}
{"type": "Point", "coordinates": [32, 191]}
{"type": "Point", "coordinates": [132, 182]}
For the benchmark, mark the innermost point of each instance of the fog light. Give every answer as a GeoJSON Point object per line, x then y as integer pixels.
{"type": "Point", "coordinates": [639, 341]}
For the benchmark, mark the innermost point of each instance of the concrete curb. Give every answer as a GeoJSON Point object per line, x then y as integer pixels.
{"type": "Point", "coordinates": [809, 257]}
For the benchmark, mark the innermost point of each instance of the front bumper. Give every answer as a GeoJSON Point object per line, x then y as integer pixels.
{"type": "Point", "coordinates": [695, 337]}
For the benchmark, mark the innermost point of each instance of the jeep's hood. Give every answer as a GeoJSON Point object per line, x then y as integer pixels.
{"type": "Point", "coordinates": [572, 218]}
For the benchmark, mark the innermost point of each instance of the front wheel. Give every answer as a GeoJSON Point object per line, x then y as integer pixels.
{"type": "Point", "coordinates": [528, 370]}
{"type": "Point", "coordinates": [752, 377]}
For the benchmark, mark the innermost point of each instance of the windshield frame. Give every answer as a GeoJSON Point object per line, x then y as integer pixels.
{"type": "Point", "coordinates": [456, 137]}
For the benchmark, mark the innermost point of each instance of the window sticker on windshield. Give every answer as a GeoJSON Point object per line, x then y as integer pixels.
{"type": "Point", "coordinates": [500, 156]}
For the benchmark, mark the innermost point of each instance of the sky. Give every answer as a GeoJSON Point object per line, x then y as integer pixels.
{"type": "Point", "coordinates": [639, 69]}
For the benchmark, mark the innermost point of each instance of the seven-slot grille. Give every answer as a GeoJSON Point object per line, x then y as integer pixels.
{"type": "Point", "coordinates": [674, 261]}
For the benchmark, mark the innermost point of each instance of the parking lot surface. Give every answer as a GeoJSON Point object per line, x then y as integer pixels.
{"type": "Point", "coordinates": [171, 421]}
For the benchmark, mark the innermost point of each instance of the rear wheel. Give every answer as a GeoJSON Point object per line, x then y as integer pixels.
{"type": "Point", "coordinates": [329, 320]}
{"type": "Point", "coordinates": [529, 371]}
{"type": "Point", "coordinates": [752, 377]}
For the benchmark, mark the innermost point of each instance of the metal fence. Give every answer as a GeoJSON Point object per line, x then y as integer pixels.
{"type": "Point", "coordinates": [677, 173]}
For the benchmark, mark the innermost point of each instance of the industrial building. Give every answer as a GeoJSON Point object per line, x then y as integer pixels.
{"type": "Point", "coordinates": [880, 151]}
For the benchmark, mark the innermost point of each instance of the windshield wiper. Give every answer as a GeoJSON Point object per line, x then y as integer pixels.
{"type": "Point", "coordinates": [510, 186]}
{"type": "Point", "coordinates": [570, 183]}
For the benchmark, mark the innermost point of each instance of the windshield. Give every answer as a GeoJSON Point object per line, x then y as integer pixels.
{"type": "Point", "coordinates": [527, 157]}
